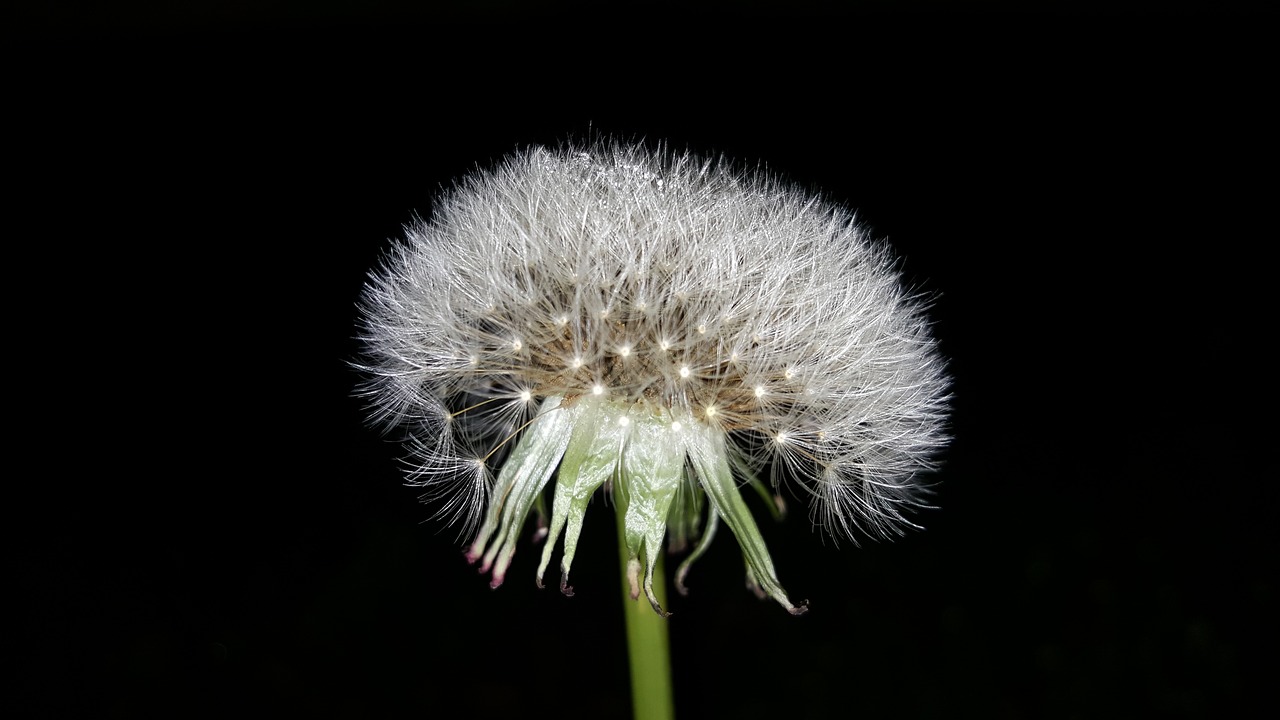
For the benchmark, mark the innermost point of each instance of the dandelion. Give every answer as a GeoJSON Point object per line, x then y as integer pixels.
{"type": "Point", "coordinates": [668, 328]}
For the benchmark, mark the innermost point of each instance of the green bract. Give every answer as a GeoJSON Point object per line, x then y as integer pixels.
{"type": "Point", "coordinates": [652, 456]}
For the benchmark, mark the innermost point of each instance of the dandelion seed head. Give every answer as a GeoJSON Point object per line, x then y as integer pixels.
{"type": "Point", "coordinates": [566, 282]}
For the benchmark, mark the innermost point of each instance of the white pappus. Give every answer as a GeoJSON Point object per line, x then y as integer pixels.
{"type": "Point", "coordinates": [671, 328]}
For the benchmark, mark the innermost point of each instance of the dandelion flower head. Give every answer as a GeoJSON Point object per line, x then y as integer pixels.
{"type": "Point", "coordinates": [669, 328]}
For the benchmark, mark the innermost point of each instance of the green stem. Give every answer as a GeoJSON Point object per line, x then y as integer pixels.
{"type": "Point", "coordinates": [647, 646]}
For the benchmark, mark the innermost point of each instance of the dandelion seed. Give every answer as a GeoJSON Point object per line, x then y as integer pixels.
{"type": "Point", "coordinates": [820, 366]}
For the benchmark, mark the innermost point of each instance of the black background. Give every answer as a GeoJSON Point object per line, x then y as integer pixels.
{"type": "Point", "coordinates": [219, 533]}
